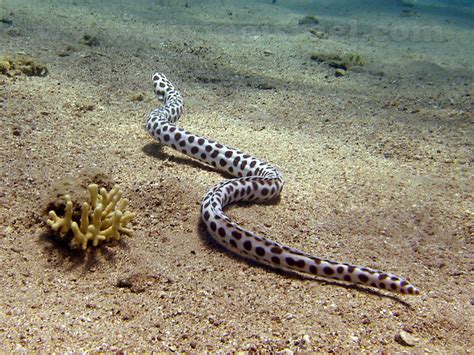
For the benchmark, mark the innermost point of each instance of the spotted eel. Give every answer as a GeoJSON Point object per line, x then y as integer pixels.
{"type": "Point", "coordinates": [254, 180]}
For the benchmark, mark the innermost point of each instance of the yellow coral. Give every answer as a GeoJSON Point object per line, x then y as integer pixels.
{"type": "Point", "coordinates": [103, 220]}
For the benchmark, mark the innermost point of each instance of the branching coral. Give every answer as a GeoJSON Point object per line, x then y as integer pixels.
{"type": "Point", "coordinates": [103, 220]}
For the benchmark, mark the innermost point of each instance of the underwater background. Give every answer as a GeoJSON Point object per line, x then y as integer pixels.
{"type": "Point", "coordinates": [366, 107]}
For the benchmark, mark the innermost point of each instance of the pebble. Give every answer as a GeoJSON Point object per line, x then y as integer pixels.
{"type": "Point", "coordinates": [306, 339]}
{"type": "Point", "coordinates": [405, 338]}
{"type": "Point", "coordinates": [317, 33]}
{"type": "Point", "coordinates": [289, 316]}
{"type": "Point", "coordinates": [355, 339]}
{"type": "Point", "coordinates": [16, 131]}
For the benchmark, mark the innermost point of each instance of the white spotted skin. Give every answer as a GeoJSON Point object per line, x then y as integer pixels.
{"type": "Point", "coordinates": [255, 181]}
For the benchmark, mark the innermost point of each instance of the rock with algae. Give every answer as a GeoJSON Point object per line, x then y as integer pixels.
{"type": "Point", "coordinates": [102, 220]}
{"type": "Point", "coordinates": [339, 61]}
{"type": "Point", "coordinates": [21, 64]}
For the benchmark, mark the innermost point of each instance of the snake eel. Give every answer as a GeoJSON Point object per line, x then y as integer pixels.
{"type": "Point", "coordinates": [254, 180]}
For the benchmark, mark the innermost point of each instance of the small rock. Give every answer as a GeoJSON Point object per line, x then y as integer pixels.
{"type": "Point", "coordinates": [6, 20]}
{"type": "Point", "coordinates": [265, 86]}
{"type": "Point", "coordinates": [215, 322]}
{"type": "Point", "coordinates": [340, 72]}
{"type": "Point", "coordinates": [355, 339]}
{"type": "Point", "coordinates": [289, 316]}
{"type": "Point", "coordinates": [16, 131]}
{"type": "Point", "coordinates": [309, 20]}
{"type": "Point", "coordinates": [70, 48]}
{"type": "Point", "coordinates": [137, 97]}
{"type": "Point", "coordinates": [405, 338]}
{"type": "Point", "coordinates": [317, 33]}
{"type": "Point", "coordinates": [138, 282]}
{"type": "Point", "coordinates": [90, 41]}
{"type": "Point", "coordinates": [87, 107]}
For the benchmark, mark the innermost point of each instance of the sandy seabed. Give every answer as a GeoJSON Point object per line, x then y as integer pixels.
{"type": "Point", "coordinates": [377, 164]}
